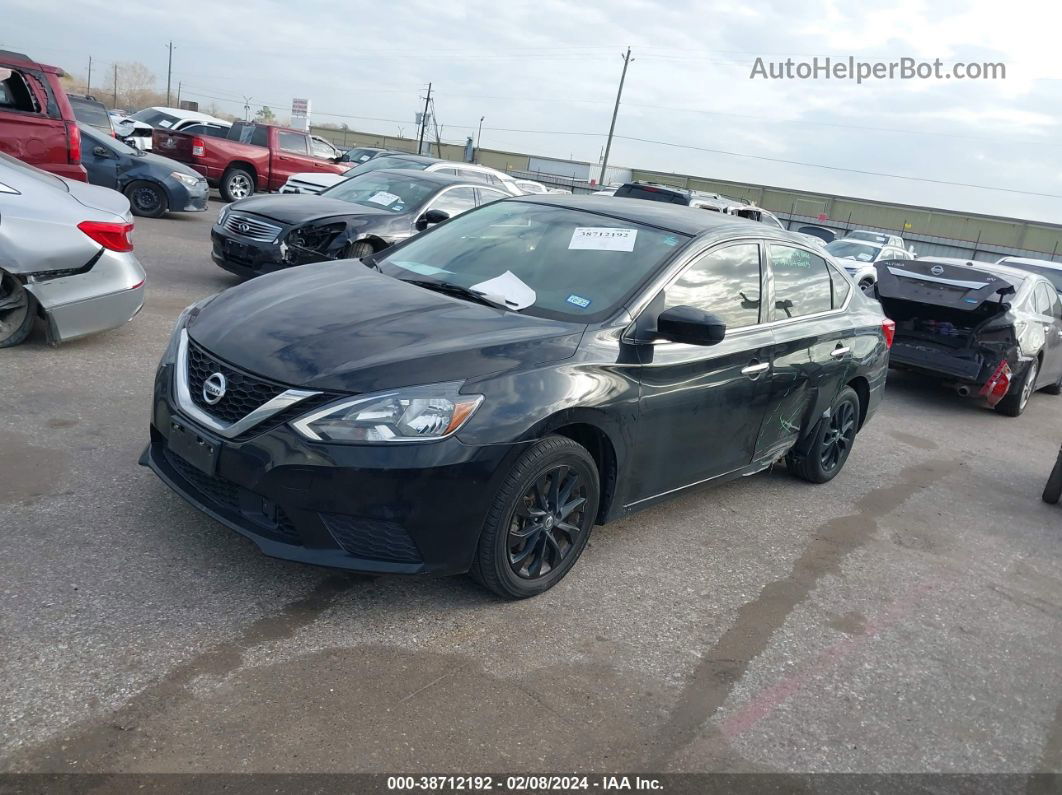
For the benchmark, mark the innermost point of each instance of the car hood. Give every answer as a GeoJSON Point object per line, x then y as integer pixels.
{"type": "Point", "coordinates": [299, 209]}
{"type": "Point", "coordinates": [340, 326]}
{"type": "Point", "coordinates": [99, 198]}
{"type": "Point", "coordinates": [322, 178]}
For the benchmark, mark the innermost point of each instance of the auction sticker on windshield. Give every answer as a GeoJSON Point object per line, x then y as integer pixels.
{"type": "Point", "coordinates": [603, 238]}
{"type": "Point", "coordinates": [384, 198]}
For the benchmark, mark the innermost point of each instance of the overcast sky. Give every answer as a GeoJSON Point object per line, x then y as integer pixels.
{"type": "Point", "coordinates": [553, 65]}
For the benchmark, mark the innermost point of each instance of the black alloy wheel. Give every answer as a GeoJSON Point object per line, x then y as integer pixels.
{"type": "Point", "coordinates": [146, 199]}
{"type": "Point", "coordinates": [540, 520]}
{"type": "Point", "coordinates": [830, 443]}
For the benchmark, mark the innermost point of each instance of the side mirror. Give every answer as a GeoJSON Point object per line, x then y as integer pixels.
{"type": "Point", "coordinates": [432, 217]}
{"type": "Point", "coordinates": [99, 151]}
{"type": "Point", "coordinates": [690, 325]}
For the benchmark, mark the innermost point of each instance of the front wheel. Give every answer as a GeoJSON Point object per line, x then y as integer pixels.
{"type": "Point", "coordinates": [831, 441]}
{"type": "Point", "coordinates": [359, 249]}
{"type": "Point", "coordinates": [540, 520]}
{"type": "Point", "coordinates": [146, 199]}
{"type": "Point", "coordinates": [1017, 397]}
{"type": "Point", "coordinates": [866, 285]}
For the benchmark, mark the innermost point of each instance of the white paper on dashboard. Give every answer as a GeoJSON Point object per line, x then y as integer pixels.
{"type": "Point", "coordinates": [384, 198]}
{"type": "Point", "coordinates": [508, 289]}
{"type": "Point", "coordinates": [603, 238]}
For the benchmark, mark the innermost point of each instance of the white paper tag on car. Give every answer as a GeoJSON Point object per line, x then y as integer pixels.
{"type": "Point", "coordinates": [508, 288]}
{"type": "Point", "coordinates": [603, 238]}
{"type": "Point", "coordinates": [384, 198]}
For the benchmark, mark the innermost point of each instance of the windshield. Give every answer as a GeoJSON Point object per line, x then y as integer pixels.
{"type": "Point", "coordinates": [156, 118]}
{"type": "Point", "coordinates": [388, 162]}
{"type": "Point", "coordinates": [359, 155]}
{"type": "Point", "coordinates": [851, 249]}
{"type": "Point", "coordinates": [873, 237]}
{"type": "Point", "coordinates": [396, 194]}
{"type": "Point", "coordinates": [1053, 275]}
{"type": "Point", "coordinates": [546, 260]}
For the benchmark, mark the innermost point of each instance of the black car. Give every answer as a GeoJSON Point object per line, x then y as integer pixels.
{"type": "Point", "coordinates": [353, 218]}
{"type": "Point", "coordinates": [483, 394]}
{"type": "Point", "coordinates": [363, 154]}
{"type": "Point", "coordinates": [153, 184]}
{"type": "Point", "coordinates": [987, 330]}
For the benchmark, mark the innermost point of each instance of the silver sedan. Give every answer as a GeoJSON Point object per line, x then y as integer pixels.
{"type": "Point", "coordinates": [65, 256]}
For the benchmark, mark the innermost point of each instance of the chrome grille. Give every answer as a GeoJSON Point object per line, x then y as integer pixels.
{"type": "Point", "coordinates": [253, 228]}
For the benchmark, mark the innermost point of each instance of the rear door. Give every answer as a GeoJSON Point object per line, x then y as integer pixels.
{"type": "Point", "coordinates": [1049, 310]}
{"type": "Point", "coordinates": [813, 337]}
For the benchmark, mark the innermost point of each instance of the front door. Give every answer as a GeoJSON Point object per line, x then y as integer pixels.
{"type": "Point", "coordinates": [100, 162]}
{"type": "Point", "coordinates": [292, 157]}
{"type": "Point", "coordinates": [701, 407]}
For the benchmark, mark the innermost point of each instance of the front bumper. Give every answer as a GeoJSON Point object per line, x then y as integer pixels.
{"type": "Point", "coordinates": [244, 256]}
{"type": "Point", "coordinates": [189, 200]}
{"type": "Point", "coordinates": [107, 295]}
{"type": "Point", "coordinates": [403, 509]}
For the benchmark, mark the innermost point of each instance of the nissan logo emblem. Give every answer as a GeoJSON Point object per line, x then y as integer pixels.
{"type": "Point", "coordinates": [214, 388]}
{"type": "Point", "coordinates": [936, 270]}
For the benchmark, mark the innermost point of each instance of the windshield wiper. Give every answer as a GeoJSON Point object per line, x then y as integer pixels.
{"type": "Point", "coordinates": [457, 290]}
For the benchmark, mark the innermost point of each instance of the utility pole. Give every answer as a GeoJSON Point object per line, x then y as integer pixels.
{"type": "Point", "coordinates": [615, 112]}
{"type": "Point", "coordinates": [479, 135]}
{"type": "Point", "coordinates": [169, 72]}
{"type": "Point", "coordinates": [116, 85]}
{"type": "Point", "coordinates": [88, 83]}
{"type": "Point", "coordinates": [179, 84]}
{"type": "Point", "coordinates": [423, 121]}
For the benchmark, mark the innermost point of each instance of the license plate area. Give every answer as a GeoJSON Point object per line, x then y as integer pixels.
{"type": "Point", "coordinates": [199, 450]}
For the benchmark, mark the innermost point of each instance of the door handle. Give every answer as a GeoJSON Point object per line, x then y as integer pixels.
{"type": "Point", "coordinates": [837, 353]}
{"type": "Point", "coordinates": [753, 370]}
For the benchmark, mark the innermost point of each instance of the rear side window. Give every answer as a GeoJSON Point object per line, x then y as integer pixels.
{"type": "Point", "coordinates": [725, 282]}
{"type": "Point", "coordinates": [802, 284]}
{"type": "Point", "coordinates": [488, 195]}
{"type": "Point", "coordinates": [841, 288]}
{"type": "Point", "coordinates": [292, 142]}
{"type": "Point", "coordinates": [15, 92]}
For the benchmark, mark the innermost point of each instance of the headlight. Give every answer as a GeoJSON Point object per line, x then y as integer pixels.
{"type": "Point", "coordinates": [185, 179]}
{"type": "Point", "coordinates": [222, 214]}
{"type": "Point", "coordinates": [187, 315]}
{"type": "Point", "coordinates": [405, 415]}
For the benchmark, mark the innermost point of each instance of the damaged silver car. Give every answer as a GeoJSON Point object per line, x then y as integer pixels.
{"type": "Point", "coordinates": [65, 256]}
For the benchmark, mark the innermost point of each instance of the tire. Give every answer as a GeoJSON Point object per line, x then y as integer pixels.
{"type": "Point", "coordinates": [236, 183]}
{"type": "Point", "coordinates": [1053, 389]}
{"type": "Point", "coordinates": [1017, 397]}
{"type": "Point", "coordinates": [521, 534]}
{"type": "Point", "coordinates": [359, 249]}
{"type": "Point", "coordinates": [866, 285]}
{"type": "Point", "coordinates": [831, 441]}
{"type": "Point", "coordinates": [1053, 489]}
{"type": "Point", "coordinates": [147, 199]}
{"type": "Point", "coordinates": [17, 311]}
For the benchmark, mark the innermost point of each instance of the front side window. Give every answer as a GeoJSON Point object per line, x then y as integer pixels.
{"type": "Point", "coordinates": [291, 142]}
{"type": "Point", "coordinates": [725, 282]}
{"type": "Point", "coordinates": [322, 149]}
{"type": "Point", "coordinates": [487, 195]}
{"type": "Point", "coordinates": [455, 201]}
{"type": "Point", "coordinates": [802, 284]}
{"type": "Point", "coordinates": [551, 261]}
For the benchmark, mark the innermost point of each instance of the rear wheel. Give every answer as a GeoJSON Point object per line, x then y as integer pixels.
{"type": "Point", "coordinates": [831, 441]}
{"type": "Point", "coordinates": [1017, 397]}
{"type": "Point", "coordinates": [16, 311]}
{"type": "Point", "coordinates": [236, 184]}
{"type": "Point", "coordinates": [146, 199]}
{"type": "Point", "coordinates": [540, 521]}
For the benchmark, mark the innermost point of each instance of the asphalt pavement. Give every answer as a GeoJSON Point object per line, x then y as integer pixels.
{"type": "Point", "coordinates": [905, 617]}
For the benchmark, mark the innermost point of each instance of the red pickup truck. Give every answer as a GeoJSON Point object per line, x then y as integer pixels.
{"type": "Point", "coordinates": [37, 123]}
{"type": "Point", "coordinates": [252, 157]}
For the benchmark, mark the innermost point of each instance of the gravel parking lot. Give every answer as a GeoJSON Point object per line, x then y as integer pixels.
{"type": "Point", "coordinates": [905, 617]}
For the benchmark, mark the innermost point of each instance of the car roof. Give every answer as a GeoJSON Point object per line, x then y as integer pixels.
{"type": "Point", "coordinates": [184, 115]}
{"type": "Point", "coordinates": [1043, 263]}
{"type": "Point", "coordinates": [416, 158]}
{"type": "Point", "coordinates": [673, 217]}
{"type": "Point", "coordinates": [427, 176]}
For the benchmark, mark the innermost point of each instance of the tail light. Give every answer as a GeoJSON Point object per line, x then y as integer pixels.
{"type": "Point", "coordinates": [73, 143]}
{"type": "Point", "coordinates": [888, 330]}
{"type": "Point", "coordinates": [996, 387]}
{"type": "Point", "coordinates": [198, 147]}
{"type": "Point", "coordinates": [111, 236]}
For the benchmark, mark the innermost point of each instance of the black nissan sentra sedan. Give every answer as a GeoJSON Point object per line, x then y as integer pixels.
{"type": "Point", "coordinates": [355, 218]}
{"type": "Point", "coordinates": [477, 398]}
